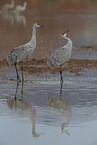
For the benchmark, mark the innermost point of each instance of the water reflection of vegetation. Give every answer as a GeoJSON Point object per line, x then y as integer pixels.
{"type": "Point", "coordinates": [60, 104]}
{"type": "Point", "coordinates": [15, 103]}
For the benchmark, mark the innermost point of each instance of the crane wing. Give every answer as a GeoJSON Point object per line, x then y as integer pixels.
{"type": "Point", "coordinates": [20, 53]}
{"type": "Point", "coordinates": [59, 57]}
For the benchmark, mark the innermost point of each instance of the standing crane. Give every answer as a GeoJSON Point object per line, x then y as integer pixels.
{"type": "Point", "coordinates": [23, 52]}
{"type": "Point", "coordinates": [8, 7]}
{"type": "Point", "coordinates": [21, 9]}
{"type": "Point", "coordinates": [61, 55]}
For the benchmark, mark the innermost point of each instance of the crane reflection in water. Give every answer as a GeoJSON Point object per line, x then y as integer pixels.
{"type": "Point", "coordinates": [15, 103]}
{"type": "Point", "coordinates": [15, 15]}
{"type": "Point", "coordinates": [60, 104]}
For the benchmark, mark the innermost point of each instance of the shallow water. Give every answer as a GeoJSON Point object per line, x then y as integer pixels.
{"type": "Point", "coordinates": [40, 111]}
{"type": "Point", "coordinates": [44, 111]}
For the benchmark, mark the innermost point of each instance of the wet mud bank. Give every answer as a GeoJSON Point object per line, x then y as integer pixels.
{"type": "Point", "coordinates": [35, 66]}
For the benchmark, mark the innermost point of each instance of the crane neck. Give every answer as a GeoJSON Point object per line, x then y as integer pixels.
{"type": "Point", "coordinates": [12, 2]}
{"type": "Point", "coordinates": [69, 42]}
{"type": "Point", "coordinates": [33, 39]}
{"type": "Point", "coordinates": [24, 5]}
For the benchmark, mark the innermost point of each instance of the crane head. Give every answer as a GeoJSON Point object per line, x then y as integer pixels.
{"type": "Point", "coordinates": [37, 25]}
{"type": "Point", "coordinates": [63, 35]}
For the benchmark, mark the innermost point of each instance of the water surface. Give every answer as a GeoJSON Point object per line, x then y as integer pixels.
{"type": "Point", "coordinates": [45, 112]}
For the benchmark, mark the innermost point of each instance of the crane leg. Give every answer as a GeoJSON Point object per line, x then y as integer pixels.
{"type": "Point", "coordinates": [61, 74]}
{"type": "Point", "coordinates": [16, 91]}
{"type": "Point", "coordinates": [22, 90]}
{"type": "Point", "coordinates": [17, 72]}
{"type": "Point", "coordinates": [61, 86]}
{"type": "Point", "coordinates": [22, 72]}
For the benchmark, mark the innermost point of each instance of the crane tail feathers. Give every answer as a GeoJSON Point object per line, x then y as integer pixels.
{"type": "Point", "coordinates": [9, 59]}
{"type": "Point", "coordinates": [49, 62]}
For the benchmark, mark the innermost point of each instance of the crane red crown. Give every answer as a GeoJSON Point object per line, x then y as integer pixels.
{"type": "Point", "coordinates": [66, 32]}
{"type": "Point", "coordinates": [63, 33]}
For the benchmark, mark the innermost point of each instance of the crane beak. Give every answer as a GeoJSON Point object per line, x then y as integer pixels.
{"type": "Point", "coordinates": [67, 31]}
{"type": "Point", "coordinates": [41, 26]}
{"type": "Point", "coordinates": [64, 34]}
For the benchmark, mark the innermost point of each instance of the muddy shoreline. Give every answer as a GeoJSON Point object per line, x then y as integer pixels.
{"type": "Point", "coordinates": [35, 66]}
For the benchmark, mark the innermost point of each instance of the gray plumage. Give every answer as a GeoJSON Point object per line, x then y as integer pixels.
{"type": "Point", "coordinates": [61, 55]}
{"type": "Point", "coordinates": [23, 52]}
{"type": "Point", "coordinates": [8, 7]}
{"type": "Point", "coordinates": [20, 53]}
{"type": "Point", "coordinates": [20, 9]}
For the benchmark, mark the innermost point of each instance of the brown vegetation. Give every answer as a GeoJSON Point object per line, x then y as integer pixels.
{"type": "Point", "coordinates": [40, 66]}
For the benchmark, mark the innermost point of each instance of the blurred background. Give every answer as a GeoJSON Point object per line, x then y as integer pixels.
{"type": "Point", "coordinates": [57, 16]}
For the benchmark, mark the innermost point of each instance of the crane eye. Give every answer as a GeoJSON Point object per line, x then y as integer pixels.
{"type": "Point", "coordinates": [38, 25]}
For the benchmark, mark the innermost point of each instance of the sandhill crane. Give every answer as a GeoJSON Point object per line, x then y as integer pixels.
{"type": "Point", "coordinates": [61, 55]}
{"type": "Point", "coordinates": [23, 52]}
{"type": "Point", "coordinates": [21, 9]}
{"type": "Point", "coordinates": [8, 7]}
